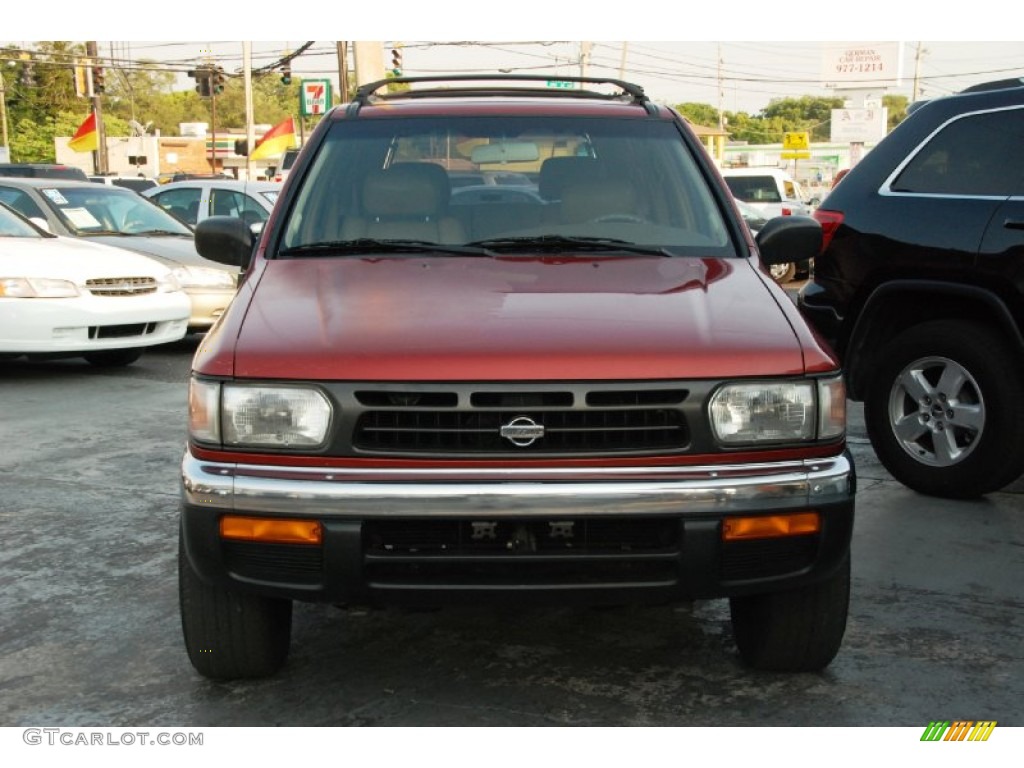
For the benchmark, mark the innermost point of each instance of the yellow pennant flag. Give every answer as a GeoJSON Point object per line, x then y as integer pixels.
{"type": "Point", "coordinates": [86, 138]}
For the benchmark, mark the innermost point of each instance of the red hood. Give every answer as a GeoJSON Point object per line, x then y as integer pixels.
{"type": "Point", "coordinates": [439, 318]}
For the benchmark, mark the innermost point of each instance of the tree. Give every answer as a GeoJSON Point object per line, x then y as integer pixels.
{"type": "Point", "coordinates": [698, 114]}
{"type": "Point", "coordinates": [897, 106]}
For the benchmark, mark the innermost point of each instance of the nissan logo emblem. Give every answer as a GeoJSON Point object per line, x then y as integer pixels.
{"type": "Point", "coordinates": [522, 431]}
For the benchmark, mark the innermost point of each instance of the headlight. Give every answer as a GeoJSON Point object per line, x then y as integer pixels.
{"type": "Point", "coordinates": [204, 277]}
{"type": "Point", "coordinates": [779, 411]}
{"type": "Point", "coordinates": [246, 415]}
{"type": "Point", "coordinates": [36, 288]}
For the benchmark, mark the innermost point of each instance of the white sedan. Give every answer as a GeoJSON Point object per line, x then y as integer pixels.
{"type": "Point", "coordinates": [63, 297]}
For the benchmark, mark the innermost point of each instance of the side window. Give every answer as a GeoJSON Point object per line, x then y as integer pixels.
{"type": "Point", "coordinates": [182, 204]}
{"type": "Point", "coordinates": [974, 155]}
{"type": "Point", "coordinates": [21, 202]}
{"type": "Point", "coordinates": [226, 202]}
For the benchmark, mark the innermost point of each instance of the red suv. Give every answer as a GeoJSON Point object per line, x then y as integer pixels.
{"type": "Point", "coordinates": [591, 391]}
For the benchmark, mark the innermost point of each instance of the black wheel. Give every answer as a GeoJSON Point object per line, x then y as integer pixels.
{"type": "Point", "coordinates": [798, 630]}
{"type": "Point", "coordinates": [944, 410]}
{"type": "Point", "coordinates": [113, 358]}
{"type": "Point", "coordinates": [783, 273]}
{"type": "Point", "coordinates": [231, 635]}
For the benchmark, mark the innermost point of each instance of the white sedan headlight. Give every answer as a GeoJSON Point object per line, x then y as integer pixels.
{"type": "Point", "coordinates": [779, 411]}
{"type": "Point", "coordinates": [204, 277]}
{"type": "Point", "coordinates": [36, 288]}
{"type": "Point", "coordinates": [258, 416]}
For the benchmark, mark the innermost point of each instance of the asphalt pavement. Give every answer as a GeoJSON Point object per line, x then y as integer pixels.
{"type": "Point", "coordinates": [91, 633]}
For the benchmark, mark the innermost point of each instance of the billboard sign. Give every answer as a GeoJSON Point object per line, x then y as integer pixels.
{"type": "Point", "coordinates": [859, 125]}
{"type": "Point", "coordinates": [315, 97]}
{"type": "Point", "coordinates": [862, 65]}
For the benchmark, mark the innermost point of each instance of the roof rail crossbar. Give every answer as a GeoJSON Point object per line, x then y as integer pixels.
{"type": "Point", "coordinates": [367, 94]}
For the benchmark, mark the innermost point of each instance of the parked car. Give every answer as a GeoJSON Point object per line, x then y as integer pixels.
{"type": "Point", "coordinates": [287, 161]}
{"type": "Point", "coordinates": [61, 297]}
{"type": "Point", "coordinates": [134, 183]}
{"type": "Point", "coordinates": [920, 289]}
{"type": "Point", "coordinates": [122, 218]}
{"type": "Point", "coordinates": [42, 171]}
{"type": "Point", "coordinates": [594, 393]}
{"type": "Point", "coordinates": [781, 273]}
{"type": "Point", "coordinates": [194, 200]}
{"type": "Point", "coordinates": [771, 190]}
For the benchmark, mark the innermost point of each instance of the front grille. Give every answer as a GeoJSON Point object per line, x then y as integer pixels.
{"type": "Point", "coordinates": [591, 535]}
{"type": "Point", "coordinates": [289, 563]}
{"type": "Point", "coordinates": [121, 286]}
{"type": "Point", "coordinates": [120, 331]}
{"type": "Point", "coordinates": [764, 558]}
{"type": "Point", "coordinates": [522, 553]}
{"type": "Point", "coordinates": [480, 431]}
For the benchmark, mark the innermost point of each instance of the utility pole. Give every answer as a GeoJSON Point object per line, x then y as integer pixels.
{"type": "Point", "coordinates": [585, 49]}
{"type": "Point", "coordinates": [916, 94]}
{"type": "Point", "coordinates": [343, 71]}
{"type": "Point", "coordinates": [100, 155]}
{"type": "Point", "coordinates": [3, 116]}
{"type": "Point", "coordinates": [721, 92]}
{"type": "Point", "coordinates": [250, 131]}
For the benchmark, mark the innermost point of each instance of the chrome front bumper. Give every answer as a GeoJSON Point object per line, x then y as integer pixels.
{"type": "Point", "coordinates": [361, 494]}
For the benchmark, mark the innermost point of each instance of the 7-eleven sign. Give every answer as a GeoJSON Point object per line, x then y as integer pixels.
{"type": "Point", "coordinates": [314, 97]}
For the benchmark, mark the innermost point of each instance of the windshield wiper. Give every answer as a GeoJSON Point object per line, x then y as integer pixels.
{"type": "Point", "coordinates": [371, 245]}
{"type": "Point", "coordinates": [561, 243]}
{"type": "Point", "coordinates": [151, 232]}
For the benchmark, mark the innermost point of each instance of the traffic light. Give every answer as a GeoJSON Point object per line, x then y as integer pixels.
{"type": "Point", "coordinates": [286, 74]}
{"type": "Point", "coordinates": [242, 147]}
{"type": "Point", "coordinates": [202, 78]}
{"type": "Point", "coordinates": [396, 61]}
{"type": "Point", "coordinates": [218, 80]}
{"type": "Point", "coordinates": [98, 86]}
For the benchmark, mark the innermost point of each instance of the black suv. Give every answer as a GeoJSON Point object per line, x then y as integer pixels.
{"type": "Point", "coordinates": [920, 290]}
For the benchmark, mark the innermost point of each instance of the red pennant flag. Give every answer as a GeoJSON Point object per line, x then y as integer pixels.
{"type": "Point", "coordinates": [275, 141]}
{"type": "Point", "coordinates": [86, 138]}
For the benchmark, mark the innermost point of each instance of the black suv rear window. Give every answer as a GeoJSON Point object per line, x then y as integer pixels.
{"type": "Point", "coordinates": [981, 154]}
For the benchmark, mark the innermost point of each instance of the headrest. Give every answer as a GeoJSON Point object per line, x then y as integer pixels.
{"type": "Point", "coordinates": [407, 189]}
{"type": "Point", "coordinates": [557, 172]}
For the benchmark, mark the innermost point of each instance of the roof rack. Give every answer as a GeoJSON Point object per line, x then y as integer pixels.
{"type": "Point", "coordinates": [367, 94]}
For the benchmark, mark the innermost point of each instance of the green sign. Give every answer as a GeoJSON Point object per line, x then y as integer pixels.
{"type": "Point", "coordinates": [560, 84]}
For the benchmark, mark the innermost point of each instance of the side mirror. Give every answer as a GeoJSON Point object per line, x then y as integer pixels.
{"type": "Point", "coordinates": [226, 240]}
{"type": "Point", "coordinates": [786, 239]}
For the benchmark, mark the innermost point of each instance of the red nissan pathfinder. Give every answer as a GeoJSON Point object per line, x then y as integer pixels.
{"type": "Point", "coordinates": [571, 380]}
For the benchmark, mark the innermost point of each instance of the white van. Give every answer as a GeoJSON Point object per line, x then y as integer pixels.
{"type": "Point", "coordinates": [772, 191]}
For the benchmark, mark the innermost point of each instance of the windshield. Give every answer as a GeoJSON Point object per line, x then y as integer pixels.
{"type": "Point", "coordinates": [102, 210]}
{"type": "Point", "coordinates": [12, 225]}
{"type": "Point", "coordinates": [509, 184]}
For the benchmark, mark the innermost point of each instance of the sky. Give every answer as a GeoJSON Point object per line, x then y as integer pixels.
{"type": "Point", "coordinates": [739, 57]}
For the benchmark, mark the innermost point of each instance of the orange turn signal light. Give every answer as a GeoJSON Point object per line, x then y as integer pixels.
{"type": "Point", "coordinates": [271, 531]}
{"type": "Point", "coordinates": [771, 526]}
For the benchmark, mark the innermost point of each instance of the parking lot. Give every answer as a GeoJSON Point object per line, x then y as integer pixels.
{"type": "Point", "coordinates": [92, 637]}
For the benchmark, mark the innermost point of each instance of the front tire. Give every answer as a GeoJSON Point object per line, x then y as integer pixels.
{"type": "Point", "coordinates": [797, 630]}
{"type": "Point", "coordinates": [231, 635]}
{"type": "Point", "coordinates": [944, 410]}
{"type": "Point", "coordinates": [783, 273]}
